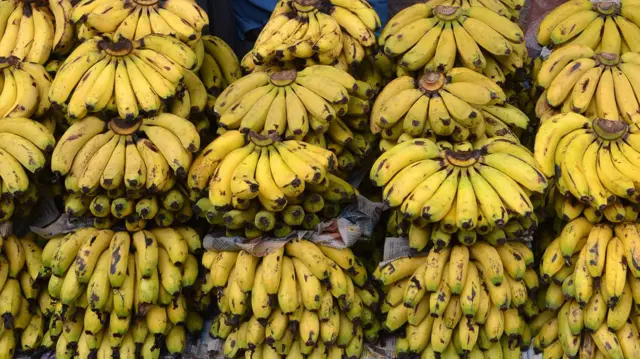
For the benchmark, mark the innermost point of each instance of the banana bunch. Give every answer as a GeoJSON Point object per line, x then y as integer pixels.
{"type": "Point", "coordinates": [599, 169]}
{"type": "Point", "coordinates": [100, 296]}
{"type": "Point", "coordinates": [460, 299]}
{"type": "Point", "coordinates": [24, 145]}
{"type": "Point", "coordinates": [191, 97]}
{"type": "Point", "coordinates": [136, 208]}
{"type": "Point", "coordinates": [286, 103]}
{"type": "Point", "coordinates": [350, 145]}
{"type": "Point", "coordinates": [434, 36]}
{"type": "Point", "coordinates": [24, 88]}
{"type": "Point", "coordinates": [603, 26]}
{"type": "Point", "coordinates": [465, 188]}
{"type": "Point", "coordinates": [93, 154]}
{"type": "Point", "coordinates": [299, 299]}
{"type": "Point", "coordinates": [218, 66]}
{"type": "Point", "coordinates": [315, 31]}
{"type": "Point", "coordinates": [567, 208]}
{"type": "Point", "coordinates": [128, 78]}
{"type": "Point", "coordinates": [136, 340]}
{"type": "Point", "coordinates": [182, 19]}
{"type": "Point", "coordinates": [233, 171]}
{"type": "Point", "coordinates": [591, 293]}
{"type": "Point", "coordinates": [462, 104]}
{"type": "Point", "coordinates": [597, 84]}
{"type": "Point", "coordinates": [32, 31]}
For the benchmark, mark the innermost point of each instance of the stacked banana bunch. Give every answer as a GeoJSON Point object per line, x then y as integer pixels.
{"type": "Point", "coordinates": [434, 36]}
{"type": "Point", "coordinates": [315, 32]}
{"type": "Point", "coordinates": [591, 294]}
{"type": "Point", "coordinates": [567, 208]}
{"type": "Point", "coordinates": [33, 31]}
{"type": "Point", "coordinates": [250, 185]}
{"type": "Point", "coordinates": [604, 26]}
{"type": "Point", "coordinates": [217, 67]}
{"type": "Point", "coordinates": [441, 189]}
{"type": "Point", "coordinates": [595, 161]}
{"type": "Point", "coordinates": [287, 103]}
{"type": "Point", "coordinates": [461, 103]}
{"type": "Point", "coordinates": [102, 298]}
{"type": "Point", "coordinates": [127, 78]}
{"type": "Point", "coordinates": [24, 145]}
{"type": "Point", "coordinates": [597, 84]}
{"type": "Point", "coordinates": [461, 301]}
{"type": "Point", "coordinates": [112, 168]}
{"type": "Point", "coordinates": [24, 89]}
{"type": "Point", "coordinates": [21, 323]}
{"type": "Point", "coordinates": [182, 19]}
{"type": "Point", "coordinates": [300, 299]}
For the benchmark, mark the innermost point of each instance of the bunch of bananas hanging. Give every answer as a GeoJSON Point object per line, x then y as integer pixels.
{"type": "Point", "coordinates": [133, 20]}
{"type": "Point", "coordinates": [102, 297]}
{"type": "Point", "coordinates": [577, 79]}
{"type": "Point", "coordinates": [436, 37]}
{"type": "Point", "coordinates": [125, 77]}
{"type": "Point", "coordinates": [464, 188]}
{"type": "Point", "coordinates": [595, 161]}
{"type": "Point", "coordinates": [604, 26]}
{"type": "Point", "coordinates": [93, 154]}
{"type": "Point", "coordinates": [315, 32]}
{"type": "Point", "coordinates": [32, 31]}
{"type": "Point", "coordinates": [250, 185]}
{"type": "Point", "coordinates": [461, 300]}
{"type": "Point", "coordinates": [24, 145]}
{"type": "Point", "coordinates": [300, 299]}
{"type": "Point", "coordinates": [592, 289]}
{"type": "Point", "coordinates": [217, 67]}
{"type": "Point", "coordinates": [287, 103]}
{"type": "Point", "coordinates": [24, 89]}
{"type": "Point", "coordinates": [462, 104]}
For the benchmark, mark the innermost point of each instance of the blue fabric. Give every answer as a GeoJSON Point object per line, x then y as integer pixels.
{"type": "Point", "coordinates": [254, 14]}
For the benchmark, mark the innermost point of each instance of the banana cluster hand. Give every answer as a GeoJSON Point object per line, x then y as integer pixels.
{"type": "Point", "coordinates": [32, 31]}
{"type": "Point", "coordinates": [218, 66]}
{"type": "Point", "coordinates": [135, 207]}
{"type": "Point", "coordinates": [24, 145]}
{"type": "Point", "coordinates": [592, 290]}
{"type": "Point", "coordinates": [286, 103]}
{"type": "Point", "coordinates": [299, 299]}
{"type": "Point", "coordinates": [462, 104]}
{"type": "Point", "coordinates": [316, 33]}
{"type": "Point", "coordinates": [22, 323]}
{"type": "Point", "coordinates": [433, 36]}
{"type": "Point", "coordinates": [93, 154]}
{"type": "Point", "coordinates": [24, 89]}
{"type": "Point", "coordinates": [567, 208]}
{"type": "Point", "coordinates": [129, 78]}
{"type": "Point", "coordinates": [182, 19]}
{"type": "Point", "coordinates": [250, 185]}
{"type": "Point", "coordinates": [102, 297]}
{"type": "Point", "coordinates": [594, 161]}
{"type": "Point", "coordinates": [461, 187]}
{"type": "Point", "coordinates": [464, 299]}
{"type": "Point", "coordinates": [577, 79]}
{"type": "Point", "coordinates": [609, 27]}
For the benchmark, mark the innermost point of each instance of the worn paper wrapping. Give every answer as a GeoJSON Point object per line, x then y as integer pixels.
{"type": "Point", "coordinates": [356, 222]}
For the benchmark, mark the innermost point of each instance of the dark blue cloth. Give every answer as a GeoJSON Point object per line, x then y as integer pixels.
{"type": "Point", "coordinates": [254, 14]}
